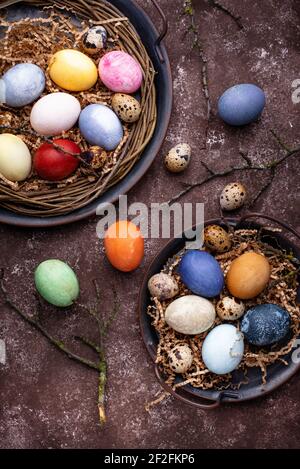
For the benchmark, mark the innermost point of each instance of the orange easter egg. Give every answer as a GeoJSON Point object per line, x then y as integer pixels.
{"type": "Point", "coordinates": [124, 245]}
{"type": "Point", "coordinates": [248, 275]}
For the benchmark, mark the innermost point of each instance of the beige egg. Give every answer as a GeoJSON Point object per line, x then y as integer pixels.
{"type": "Point", "coordinates": [233, 196]}
{"type": "Point", "coordinates": [180, 358]}
{"type": "Point", "coordinates": [216, 238]}
{"type": "Point", "coordinates": [15, 158]}
{"type": "Point", "coordinates": [230, 309]}
{"type": "Point", "coordinates": [178, 158]}
{"type": "Point", "coordinates": [126, 107]}
{"type": "Point", "coordinates": [94, 40]}
{"type": "Point", "coordinates": [163, 286]}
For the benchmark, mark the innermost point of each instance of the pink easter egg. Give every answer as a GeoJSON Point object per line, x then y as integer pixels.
{"type": "Point", "coordinates": [120, 72]}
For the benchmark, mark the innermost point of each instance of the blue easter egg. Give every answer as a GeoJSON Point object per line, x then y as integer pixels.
{"type": "Point", "coordinates": [241, 104]}
{"type": "Point", "coordinates": [101, 126]}
{"type": "Point", "coordinates": [265, 324]}
{"type": "Point", "coordinates": [21, 85]}
{"type": "Point", "coordinates": [201, 273]}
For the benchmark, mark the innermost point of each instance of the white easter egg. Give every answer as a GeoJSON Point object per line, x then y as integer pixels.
{"type": "Point", "coordinates": [54, 114]}
{"type": "Point", "coordinates": [15, 158]}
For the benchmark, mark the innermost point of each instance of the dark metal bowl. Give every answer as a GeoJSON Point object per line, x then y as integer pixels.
{"type": "Point", "coordinates": [163, 82]}
{"type": "Point", "coordinates": [278, 373]}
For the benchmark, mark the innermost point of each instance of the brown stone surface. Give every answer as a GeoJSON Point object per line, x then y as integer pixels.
{"type": "Point", "coordinates": [49, 401]}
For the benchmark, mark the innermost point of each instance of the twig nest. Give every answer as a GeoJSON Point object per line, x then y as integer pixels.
{"type": "Point", "coordinates": [178, 158]}
{"type": "Point", "coordinates": [126, 107]}
{"type": "Point", "coordinates": [181, 358]}
{"type": "Point", "coordinates": [94, 40]}
{"type": "Point", "coordinates": [216, 238]}
{"type": "Point", "coordinates": [163, 286]}
{"type": "Point", "coordinates": [233, 196]}
{"type": "Point", "coordinates": [230, 309]}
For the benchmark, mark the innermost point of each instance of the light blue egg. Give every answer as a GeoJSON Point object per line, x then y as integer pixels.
{"type": "Point", "coordinates": [241, 104]}
{"type": "Point", "coordinates": [100, 126]}
{"type": "Point", "coordinates": [21, 85]}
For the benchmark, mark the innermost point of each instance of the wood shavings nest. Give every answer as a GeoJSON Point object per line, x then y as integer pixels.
{"type": "Point", "coordinates": [282, 290]}
{"type": "Point", "coordinates": [35, 40]}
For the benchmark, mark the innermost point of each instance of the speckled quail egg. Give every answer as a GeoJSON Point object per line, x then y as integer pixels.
{"type": "Point", "coordinates": [180, 358]}
{"type": "Point", "coordinates": [178, 158]}
{"type": "Point", "coordinates": [233, 196]}
{"type": "Point", "coordinates": [216, 238]}
{"type": "Point", "coordinates": [163, 286]}
{"type": "Point", "coordinates": [94, 40]}
{"type": "Point", "coordinates": [230, 309]}
{"type": "Point", "coordinates": [126, 107]}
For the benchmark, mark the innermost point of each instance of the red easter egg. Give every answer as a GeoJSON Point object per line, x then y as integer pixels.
{"type": "Point", "coordinates": [54, 165]}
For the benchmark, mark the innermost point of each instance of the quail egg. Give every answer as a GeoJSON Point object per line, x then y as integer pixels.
{"type": "Point", "coordinates": [216, 238]}
{"type": "Point", "coordinates": [230, 309]}
{"type": "Point", "coordinates": [126, 107]}
{"type": "Point", "coordinates": [178, 158]}
{"type": "Point", "coordinates": [180, 358]}
{"type": "Point", "coordinates": [233, 196]}
{"type": "Point", "coordinates": [163, 286]}
{"type": "Point", "coordinates": [94, 40]}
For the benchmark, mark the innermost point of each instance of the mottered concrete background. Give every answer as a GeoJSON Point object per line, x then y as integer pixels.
{"type": "Point", "coordinates": [48, 400]}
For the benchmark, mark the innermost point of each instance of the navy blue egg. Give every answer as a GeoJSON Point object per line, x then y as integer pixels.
{"type": "Point", "coordinates": [201, 273]}
{"type": "Point", "coordinates": [100, 126]}
{"type": "Point", "coordinates": [21, 85]}
{"type": "Point", "coordinates": [241, 104]}
{"type": "Point", "coordinates": [265, 324]}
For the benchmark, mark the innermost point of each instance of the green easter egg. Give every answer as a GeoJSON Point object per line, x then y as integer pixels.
{"type": "Point", "coordinates": [57, 283]}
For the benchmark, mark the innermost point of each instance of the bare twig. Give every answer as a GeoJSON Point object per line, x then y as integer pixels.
{"type": "Point", "coordinates": [227, 11]}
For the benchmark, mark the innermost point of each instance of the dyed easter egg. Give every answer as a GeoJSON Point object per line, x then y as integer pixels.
{"type": "Point", "coordinates": [72, 70]}
{"type": "Point", "coordinates": [52, 164]}
{"type": "Point", "coordinates": [57, 283]}
{"type": "Point", "coordinates": [15, 158]}
{"type": "Point", "coordinates": [54, 114]}
{"type": "Point", "coordinates": [223, 349]}
{"type": "Point", "coordinates": [120, 72]}
{"type": "Point", "coordinates": [201, 273]}
{"type": "Point", "coordinates": [100, 126]}
{"type": "Point", "coordinates": [265, 324]}
{"type": "Point", "coordinates": [190, 314]}
{"type": "Point", "coordinates": [124, 245]}
{"type": "Point", "coordinates": [241, 104]}
{"type": "Point", "coordinates": [180, 358]}
{"type": "Point", "coordinates": [127, 108]}
{"type": "Point", "coordinates": [21, 85]}
{"type": "Point", "coordinates": [216, 238]}
{"type": "Point", "coordinates": [94, 40]}
{"type": "Point", "coordinates": [248, 275]}
{"type": "Point", "coordinates": [163, 286]}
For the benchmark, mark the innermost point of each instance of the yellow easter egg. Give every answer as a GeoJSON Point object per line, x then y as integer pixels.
{"type": "Point", "coordinates": [72, 70]}
{"type": "Point", "coordinates": [15, 158]}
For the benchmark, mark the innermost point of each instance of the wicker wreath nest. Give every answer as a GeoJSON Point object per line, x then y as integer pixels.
{"type": "Point", "coordinates": [62, 25]}
{"type": "Point", "coordinates": [281, 290]}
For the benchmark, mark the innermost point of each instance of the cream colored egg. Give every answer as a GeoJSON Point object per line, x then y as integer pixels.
{"type": "Point", "coordinates": [15, 158]}
{"type": "Point", "coordinates": [126, 107]}
{"type": "Point", "coordinates": [180, 358]}
{"type": "Point", "coordinates": [233, 196]}
{"type": "Point", "coordinates": [178, 158]}
{"type": "Point", "coordinates": [230, 309]}
{"type": "Point", "coordinates": [163, 286]}
{"type": "Point", "coordinates": [190, 314]}
{"type": "Point", "coordinates": [54, 114]}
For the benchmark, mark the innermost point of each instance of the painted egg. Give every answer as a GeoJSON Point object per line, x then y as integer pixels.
{"type": "Point", "coordinates": [163, 286]}
{"type": "Point", "coordinates": [178, 158]}
{"type": "Point", "coordinates": [126, 107]}
{"type": "Point", "coordinates": [190, 314]}
{"type": "Point", "coordinates": [223, 349]}
{"type": "Point", "coordinates": [94, 40]}
{"type": "Point", "coordinates": [57, 283]}
{"type": "Point", "coordinates": [15, 158]}
{"type": "Point", "coordinates": [233, 196]}
{"type": "Point", "coordinates": [54, 114]}
{"type": "Point", "coordinates": [180, 358]}
{"type": "Point", "coordinates": [265, 324]}
{"type": "Point", "coordinates": [100, 126]}
{"type": "Point", "coordinates": [21, 85]}
{"type": "Point", "coordinates": [216, 238]}
{"type": "Point", "coordinates": [52, 164]}
{"type": "Point", "coordinates": [248, 275]}
{"type": "Point", "coordinates": [72, 70]}
{"type": "Point", "coordinates": [120, 72]}
{"type": "Point", "coordinates": [241, 104]}
{"type": "Point", "coordinates": [201, 273]}
{"type": "Point", "coordinates": [124, 245]}
{"type": "Point", "coordinates": [230, 309]}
